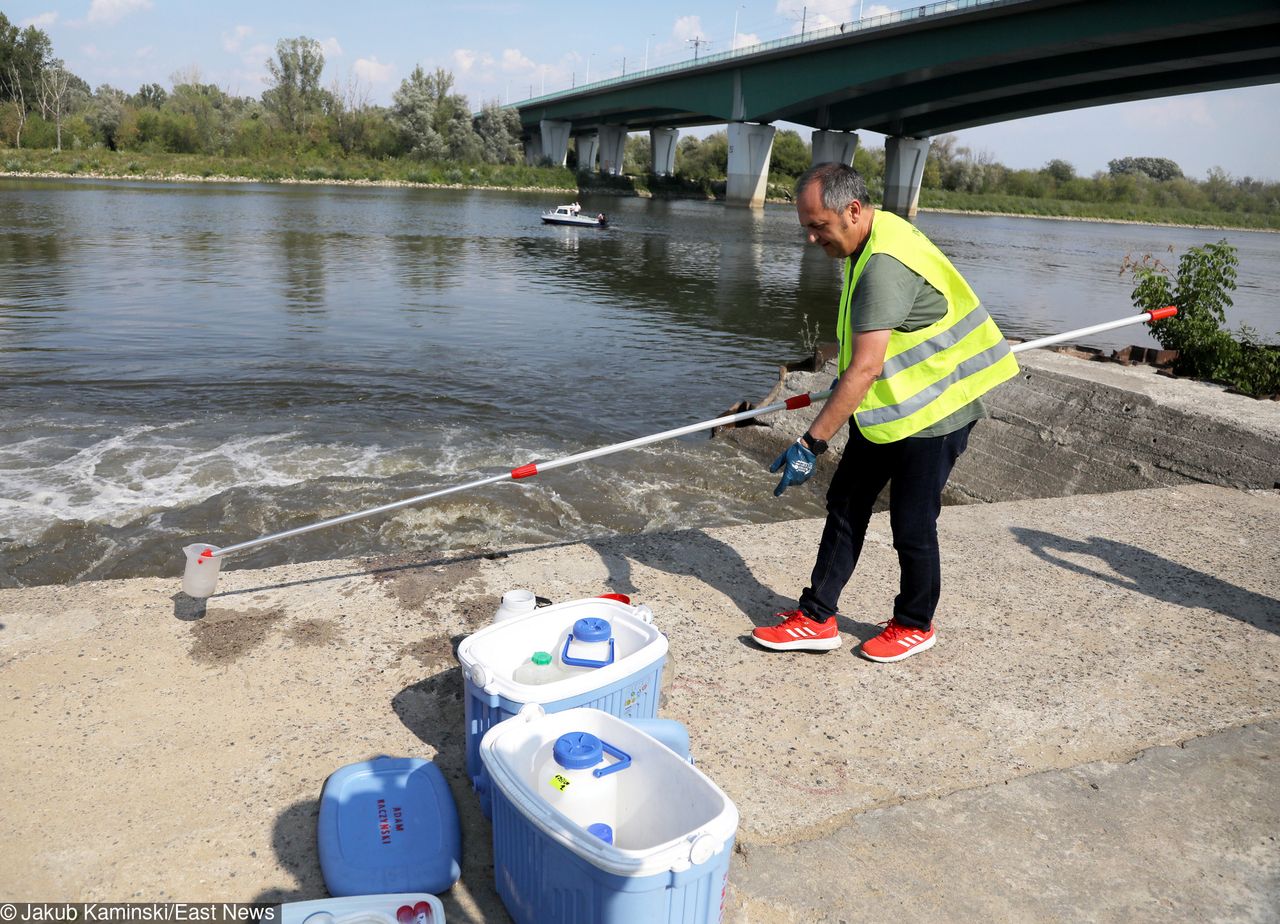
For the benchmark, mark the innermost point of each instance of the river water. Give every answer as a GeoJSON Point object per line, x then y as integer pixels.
{"type": "Point", "coordinates": [212, 363]}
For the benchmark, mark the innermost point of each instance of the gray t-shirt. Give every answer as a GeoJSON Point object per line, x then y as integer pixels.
{"type": "Point", "coordinates": [889, 296]}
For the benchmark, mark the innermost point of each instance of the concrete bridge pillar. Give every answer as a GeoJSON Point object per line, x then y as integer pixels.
{"type": "Point", "coordinates": [834, 147]}
{"type": "Point", "coordinates": [588, 146]}
{"type": "Point", "coordinates": [750, 147]}
{"type": "Point", "coordinates": [613, 147]}
{"type": "Point", "coordinates": [555, 140]}
{"type": "Point", "coordinates": [662, 145]}
{"type": "Point", "coordinates": [903, 170]}
{"type": "Point", "coordinates": [533, 149]}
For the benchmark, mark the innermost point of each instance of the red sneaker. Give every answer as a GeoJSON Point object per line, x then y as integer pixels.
{"type": "Point", "coordinates": [897, 642]}
{"type": "Point", "coordinates": [797, 632]}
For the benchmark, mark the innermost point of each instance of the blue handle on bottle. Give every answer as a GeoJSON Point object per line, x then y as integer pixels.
{"type": "Point", "coordinates": [624, 760]}
{"type": "Point", "coordinates": [584, 662]}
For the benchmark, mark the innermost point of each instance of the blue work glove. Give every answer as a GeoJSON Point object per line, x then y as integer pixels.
{"type": "Point", "coordinates": [799, 462]}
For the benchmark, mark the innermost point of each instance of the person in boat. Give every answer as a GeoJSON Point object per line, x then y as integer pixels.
{"type": "Point", "coordinates": [600, 218]}
{"type": "Point", "coordinates": [917, 351]}
{"type": "Point", "coordinates": [575, 208]}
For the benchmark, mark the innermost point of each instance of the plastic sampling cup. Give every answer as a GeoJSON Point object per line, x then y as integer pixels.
{"type": "Point", "coordinates": [515, 603]}
{"type": "Point", "coordinates": [200, 577]}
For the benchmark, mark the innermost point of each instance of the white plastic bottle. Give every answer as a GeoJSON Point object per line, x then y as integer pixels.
{"type": "Point", "coordinates": [577, 778]}
{"type": "Point", "coordinates": [515, 603]}
{"type": "Point", "coordinates": [540, 668]}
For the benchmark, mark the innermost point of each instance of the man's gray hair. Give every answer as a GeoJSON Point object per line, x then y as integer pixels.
{"type": "Point", "coordinates": [840, 185]}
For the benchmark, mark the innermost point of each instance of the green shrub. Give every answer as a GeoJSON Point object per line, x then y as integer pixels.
{"type": "Point", "coordinates": [1200, 290]}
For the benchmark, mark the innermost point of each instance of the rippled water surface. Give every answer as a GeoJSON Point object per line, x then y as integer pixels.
{"type": "Point", "coordinates": [202, 362]}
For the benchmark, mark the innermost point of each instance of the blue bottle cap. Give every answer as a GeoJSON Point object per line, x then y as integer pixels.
{"type": "Point", "coordinates": [578, 750]}
{"type": "Point", "coordinates": [592, 629]}
{"type": "Point", "coordinates": [602, 831]}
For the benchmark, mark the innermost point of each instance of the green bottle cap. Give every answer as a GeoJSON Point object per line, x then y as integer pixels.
{"type": "Point", "coordinates": [541, 658]}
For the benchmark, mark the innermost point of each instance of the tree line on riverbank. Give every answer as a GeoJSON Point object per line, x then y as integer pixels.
{"type": "Point", "coordinates": [46, 106]}
{"type": "Point", "coordinates": [52, 121]}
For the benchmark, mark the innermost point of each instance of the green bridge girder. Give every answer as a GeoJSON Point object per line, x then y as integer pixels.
{"type": "Point", "coordinates": [953, 69]}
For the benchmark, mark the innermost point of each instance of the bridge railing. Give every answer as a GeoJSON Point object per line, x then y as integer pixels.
{"type": "Point", "coordinates": [870, 23]}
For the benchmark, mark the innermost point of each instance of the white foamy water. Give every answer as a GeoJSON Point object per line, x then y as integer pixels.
{"type": "Point", "coordinates": [120, 477]}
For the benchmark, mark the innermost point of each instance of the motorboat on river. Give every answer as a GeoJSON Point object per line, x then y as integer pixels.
{"type": "Point", "coordinates": [572, 215]}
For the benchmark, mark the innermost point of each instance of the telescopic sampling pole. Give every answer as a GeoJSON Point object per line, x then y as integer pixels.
{"type": "Point", "coordinates": [204, 560]}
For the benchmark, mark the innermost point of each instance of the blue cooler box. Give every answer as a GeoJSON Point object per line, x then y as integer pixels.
{"type": "Point", "coordinates": [672, 829]}
{"type": "Point", "coordinates": [388, 825]}
{"type": "Point", "coordinates": [628, 687]}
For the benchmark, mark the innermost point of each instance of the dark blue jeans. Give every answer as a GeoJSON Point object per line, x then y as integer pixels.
{"type": "Point", "coordinates": [916, 470]}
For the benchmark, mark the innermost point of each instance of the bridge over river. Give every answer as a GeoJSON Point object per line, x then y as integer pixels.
{"type": "Point", "coordinates": [911, 75]}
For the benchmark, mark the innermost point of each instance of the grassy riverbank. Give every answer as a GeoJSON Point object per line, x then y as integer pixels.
{"type": "Point", "coordinates": [1101, 211]}
{"type": "Point", "coordinates": [277, 168]}
{"type": "Point", "coordinates": [98, 162]}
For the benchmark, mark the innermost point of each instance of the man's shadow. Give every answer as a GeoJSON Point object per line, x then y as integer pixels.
{"type": "Point", "coordinates": [1138, 570]}
{"type": "Point", "coordinates": [693, 553]}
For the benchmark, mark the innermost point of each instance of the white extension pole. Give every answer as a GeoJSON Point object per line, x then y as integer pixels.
{"type": "Point", "coordinates": [202, 555]}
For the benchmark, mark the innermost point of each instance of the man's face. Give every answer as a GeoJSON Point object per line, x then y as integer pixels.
{"type": "Point", "coordinates": [839, 234]}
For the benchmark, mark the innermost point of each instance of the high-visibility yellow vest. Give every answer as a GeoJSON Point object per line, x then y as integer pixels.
{"type": "Point", "coordinates": [930, 373]}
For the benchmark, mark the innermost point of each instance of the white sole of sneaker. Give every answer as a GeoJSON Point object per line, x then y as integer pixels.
{"type": "Point", "coordinates": [812, 644]}
{"type": "Point", "coordinates": [923, 646]}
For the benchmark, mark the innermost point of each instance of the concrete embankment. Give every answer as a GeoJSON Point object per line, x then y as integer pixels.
{"type": "Point", "coordinates": [1067, 425]}
{"type": "Point", "coordinates": [1096, 735]}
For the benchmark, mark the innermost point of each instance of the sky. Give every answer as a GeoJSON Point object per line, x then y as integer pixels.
{"type": "Point", "coordinates": [506, 50]}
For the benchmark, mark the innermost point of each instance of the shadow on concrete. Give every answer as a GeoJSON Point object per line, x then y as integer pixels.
{"type": "Point", "coordinates": [188, 609]}
{"type": "Point", "coordinates": [433, 709]}
{"type": "Point", "coordinates": [1154, 576]}
{"type": "Point", "coordinates": [407, 563]}
{"type": "Point", "coordinates": [294, 840]}
{"type": "Point", "coordinates": [690, 553]}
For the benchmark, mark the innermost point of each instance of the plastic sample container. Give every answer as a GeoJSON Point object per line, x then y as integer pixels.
{"type": "Point", "coordinates": [578, 778]}
{"type": "Point", "coordinates": [515, 603]}
{"type": "Point", "coordinates": [627, 687]}
{"type": "Point", "coordinates": [589, 645]}
{"type": "Point", "coordinates": [366, 909]}
{"type": "Point", "coordinates": [539, 669]}
{"type": "Point", "coordinates": [388, 825]}
{"type": "Point", "coordinates": [673, 830]}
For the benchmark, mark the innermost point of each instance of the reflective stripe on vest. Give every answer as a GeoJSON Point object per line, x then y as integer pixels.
{"type": "Point", "coordinates": [930, 373]}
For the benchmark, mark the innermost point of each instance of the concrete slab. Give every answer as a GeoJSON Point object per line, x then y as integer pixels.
{"type": "Point", "coordinates": [162, 750]}
{"type": "Point", "coordinates": [1182, 833]}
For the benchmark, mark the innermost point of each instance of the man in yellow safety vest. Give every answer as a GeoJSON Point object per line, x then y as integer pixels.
{"type": "Point", "coordinates": [917, 351]}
